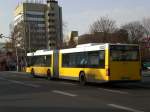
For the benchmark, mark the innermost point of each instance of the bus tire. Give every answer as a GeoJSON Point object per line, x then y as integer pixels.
{"type": "Point", "coordinates": [49, 77]}
{"type": "Point", "coordinates": [33, 73]}
{"type": "Point", "coordinates": [82, 79]}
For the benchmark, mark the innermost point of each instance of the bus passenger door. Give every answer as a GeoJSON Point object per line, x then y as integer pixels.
{"type": "Point", "coordinates": [56, 64]}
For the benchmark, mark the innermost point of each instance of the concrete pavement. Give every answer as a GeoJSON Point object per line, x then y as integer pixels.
{"type": "Point", "coordinates": [21, 93]}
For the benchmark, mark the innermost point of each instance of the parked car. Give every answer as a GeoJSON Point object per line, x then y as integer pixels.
{"type": "Point", "coordinates": [146, 65]}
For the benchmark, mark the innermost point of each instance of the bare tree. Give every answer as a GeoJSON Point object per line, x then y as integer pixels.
{"type": "Point", "coordinates": [135, 31]}
{"type": "Point", "coordinates": [18, 34]}
{"type": "Point", "coordinates": [121, 35]}
{"type": "Point", "coordinates": [104, 24]}
{"type": "Point", "coordinates": [146, 24]}
{"type": "Point", "coordinates": [64, 25]}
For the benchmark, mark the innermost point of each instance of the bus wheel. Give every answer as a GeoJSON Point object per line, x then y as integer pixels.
{"type": "Point", "coordinates": [82, 79]}
{"type": "Point", "coordinates": [33, 73]}
{"type": "Point", "coordinates": [49, 74]}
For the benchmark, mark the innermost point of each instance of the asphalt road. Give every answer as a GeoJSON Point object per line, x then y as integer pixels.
{"type": "Point", "coordinates": [21, 93]}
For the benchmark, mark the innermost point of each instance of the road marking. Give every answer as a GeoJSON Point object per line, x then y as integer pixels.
{"type": "Point", "coordinates": [124, 108]}
{"type": "Point", "coordinates": [114, 91]}
{"type": "Point", "coordinates": [25, 84]}
{"type": "Point", "coordinates": [2, 78]}
{"type": "Point", "coordinates": [64, 93]}
{"type": "Point", "coordinates": [66, 83]}
{"type": "Point", "coordinates": [21, 83]}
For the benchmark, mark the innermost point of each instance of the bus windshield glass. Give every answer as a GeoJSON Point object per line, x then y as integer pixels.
{"type": "Point", "coordinates": [44, 61]}
{"type": "Point", "coordinates": [124, 53]}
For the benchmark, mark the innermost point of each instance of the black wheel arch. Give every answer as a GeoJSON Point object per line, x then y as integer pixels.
{"type": "Point", "coordinates": [82, 78]}
{"type": "Point", "coordinates": [48, 72]}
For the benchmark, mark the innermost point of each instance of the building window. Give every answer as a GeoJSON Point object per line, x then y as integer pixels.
{"type": "Point", "coordinates": [52, 26]}
{"type": "Point", "coordinates": [51, 14]}
{"type": "Point", "coordinates": [52, 8]}
{"type": "Point", "coordinates": [51, 20]}
{"type": "Point", "coordinates": [35, 16]}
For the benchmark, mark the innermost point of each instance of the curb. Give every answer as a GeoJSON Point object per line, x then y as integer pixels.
{"type": "Point", "coordinates": [147, 75]}
{"type": "Point", "coordinates": [17, 72]}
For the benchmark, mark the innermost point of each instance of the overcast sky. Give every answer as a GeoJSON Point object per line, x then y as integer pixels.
{"type": "Point", "coordinates": [79, 14]}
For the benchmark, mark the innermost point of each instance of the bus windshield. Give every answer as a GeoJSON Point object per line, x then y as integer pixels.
{"type": "Point", "coordinates": [44, 61]}
{"type": "Point", "coordinates": [124, 53]}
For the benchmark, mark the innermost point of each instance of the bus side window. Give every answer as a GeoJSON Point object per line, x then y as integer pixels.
{"type": "Point", "coordinates": [81, 59]}
{"type": "Point", "coordinates": [72, 60]}
{"type": "Point", "coordinates": [48, 61]}
{"type": "Point", "coordinates": [93, 59]}
{"type": "Point", "coordinates": [65, 60]}
{"type": "Point", "coordinates": [39, 61]}
{"type": "Point", "coordinates": [102, 59]}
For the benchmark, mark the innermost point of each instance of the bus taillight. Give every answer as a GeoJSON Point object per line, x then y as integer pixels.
{"type": "Point", "coordinates": [108, 72]}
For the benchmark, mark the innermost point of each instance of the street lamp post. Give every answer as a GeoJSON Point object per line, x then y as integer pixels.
{"type": "Point", "coordinates": [18, 47]}
{"type": "Point", "coordinates": [29, 29]}
{"type": "Point", "coordinates": [17, 59]}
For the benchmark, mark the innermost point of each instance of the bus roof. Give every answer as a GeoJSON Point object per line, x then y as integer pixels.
{"type": "Point", "coordinates": [92, 47]}
{"type": "Point", "coordinates": [40, 53]}
{"type": "Point", "coordinates": [79, 48]}
{"type": "Point", "coordinates": [43, 52]}
{"type": "Point", "coordinates": [84, 48]}
{"type": "Point", "coordinates": [124, 44]}
{"type": "Point", "coordinates": [30, 54]}
{"type": "Point", "coordinates": [87, 45]}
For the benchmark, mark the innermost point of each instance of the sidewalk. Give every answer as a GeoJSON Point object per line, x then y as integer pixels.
{"type": "Point", "coordinates": [146, 73]}
{"type": "Point", "coordinates": [17, 72]}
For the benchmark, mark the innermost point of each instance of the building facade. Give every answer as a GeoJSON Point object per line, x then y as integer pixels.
{"type": "Point", "coordinates": [30, 26]}
{"type": "Point", "coordinates": [54, 24]}
{"type": "Point", "coordinates": [36, 26]}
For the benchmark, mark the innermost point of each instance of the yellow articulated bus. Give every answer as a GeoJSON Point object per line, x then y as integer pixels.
{"type": "Point", "coordinates": [40, 63]}
{"type": "Point", "coordinates": [93, 63]}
